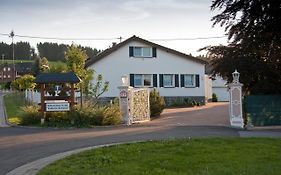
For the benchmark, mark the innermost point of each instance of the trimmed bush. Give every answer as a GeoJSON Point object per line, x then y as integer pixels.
{"type": "Point", "coordinates": [157, 103]}
{"type": "Point", "coordinates": [214, 97]}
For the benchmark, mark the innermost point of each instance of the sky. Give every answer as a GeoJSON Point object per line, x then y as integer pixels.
{"type": "Point", "coordinates": [110, 19]}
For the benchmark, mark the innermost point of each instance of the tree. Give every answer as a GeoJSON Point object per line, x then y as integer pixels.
{"type": "Point", "coordinates": [76, 59]}
{"type": "Point", "coordinates": [23, 83]}
{"type": "Point", "coordinates": [253, 27]}
{"type": "Point", "coordinates": [44, 66]}
{"type": "Point", "coordinates": [97, 89]}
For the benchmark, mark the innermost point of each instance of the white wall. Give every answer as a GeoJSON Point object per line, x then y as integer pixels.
{"type": "Point", "coordinates": [118, 63]}
{"type": "Point", "coordinates": [220, 88]}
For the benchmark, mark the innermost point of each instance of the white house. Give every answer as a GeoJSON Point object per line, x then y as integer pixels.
{"type": "Point", "coordinates": [172, 73]}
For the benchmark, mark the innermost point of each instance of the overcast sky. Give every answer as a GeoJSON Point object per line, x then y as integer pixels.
{"type": "Point", "coordinates": [148, 19]}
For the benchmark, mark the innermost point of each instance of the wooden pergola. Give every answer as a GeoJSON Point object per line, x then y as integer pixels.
{"type": "Point", "coordinates": [47, 79]}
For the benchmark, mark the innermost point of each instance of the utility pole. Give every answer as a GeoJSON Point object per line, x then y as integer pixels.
{"type": "Point", "coordinates": [12, 34]}
{"type": "Point", "coordinates": [3, 55]}
{"type": "Point", "coordinates": [2, 72]}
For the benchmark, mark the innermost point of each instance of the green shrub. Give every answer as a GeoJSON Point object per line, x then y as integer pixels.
{"type": "Point", "coordinates": [178, 102]}
{"type": "Point", "coordinates": [112, 115]}
{"type": "Point", "coordinates": [30, 116]}
{"type": "Point", "coordinates": [157, 103]}
{"type": "Point", "coordinates": [91, 115]}
{"type": "Point", "coordinates": [186, 102]}
{"type": "Point", "coordinates": [214, 97]}
{"type": "Point", "coordinates": [57, 119]}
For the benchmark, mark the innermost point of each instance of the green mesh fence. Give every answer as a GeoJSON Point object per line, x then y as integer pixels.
{"type": "Point", "coordinates": [263, 110]}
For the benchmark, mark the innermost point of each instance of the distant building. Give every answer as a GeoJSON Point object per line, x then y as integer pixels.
{"type": "Point", "coordinates": [7, 73]}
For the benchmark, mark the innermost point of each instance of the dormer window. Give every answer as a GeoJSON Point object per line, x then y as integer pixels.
{"type": "Point", "coordinates": [142, 52]}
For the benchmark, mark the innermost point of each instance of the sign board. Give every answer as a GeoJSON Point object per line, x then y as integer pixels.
{"type": "Point", "coordinates": [60, 106]}
{"type": "Point", "coordinates": [123, 94]}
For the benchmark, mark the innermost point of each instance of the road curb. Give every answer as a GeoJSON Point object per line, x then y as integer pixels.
{"type": "Point", "coordinates": [34, 167]}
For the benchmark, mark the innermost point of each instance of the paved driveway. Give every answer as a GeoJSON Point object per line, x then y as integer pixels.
{"type": "Point", "coordinates": [213, 114]}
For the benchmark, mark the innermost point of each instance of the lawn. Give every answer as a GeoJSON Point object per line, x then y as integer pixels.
{"type": "Point", "coordinates": [216, 156]}
{"type": "Point", "coordinates": [16, 61]}
{"type": "Point", "coordinates": [13, 103]}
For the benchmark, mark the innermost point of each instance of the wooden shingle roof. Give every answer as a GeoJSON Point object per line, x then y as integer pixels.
{"type": "Point", "coordinates": [135, 38]}
{"type": "Point", "coordinates": [68, 77]}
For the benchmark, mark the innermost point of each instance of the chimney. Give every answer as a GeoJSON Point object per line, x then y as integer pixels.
{"type": "Point", "coordinates": [113, 44]}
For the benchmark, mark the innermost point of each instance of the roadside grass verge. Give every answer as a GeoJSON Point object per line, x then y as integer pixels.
{"type": "Point", "coordinates": [216, 156]}
{"type": "Point", "coordinates": [13, 103]}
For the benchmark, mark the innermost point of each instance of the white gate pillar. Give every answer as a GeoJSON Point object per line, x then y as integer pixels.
{"type": "Point", "coordinates": [124, 101]}
{"type": "Point", "coordinates": [235, 106]}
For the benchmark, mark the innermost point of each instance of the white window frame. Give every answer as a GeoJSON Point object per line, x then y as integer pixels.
{"type": "Point", "coordinates": [4, 69]}
{"type": "Point", "coordinates": [194, 83]}
{"type": "Point", "coordinates": [142, 80]}
{"type": "Point", "coordinates": [142, 51]}
{"type": "Point", "coordinates": [9, 76]}
{"type": "Point", "coordinates": [173, 80]}
{"type": "Point", "coordinates": [9, 68]}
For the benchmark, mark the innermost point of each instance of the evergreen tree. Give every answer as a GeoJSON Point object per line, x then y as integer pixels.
{"type": "Point", "coordinates": [253, 27]}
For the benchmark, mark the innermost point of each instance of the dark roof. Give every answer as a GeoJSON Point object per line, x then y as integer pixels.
{"type": "Point", "coordinates": [24, 67]}
{"type": "Point", "coordinates": [135, 38]}
{"type": "Point", "coordinates": [45, 78]}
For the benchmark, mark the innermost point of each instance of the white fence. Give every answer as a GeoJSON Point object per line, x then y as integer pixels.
{"type": "Point", "coordinates": [34, 96]}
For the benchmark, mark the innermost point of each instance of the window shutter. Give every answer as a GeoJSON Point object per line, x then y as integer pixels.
{"type": "Point", "coordinates": [161, 80]}
{"type": "Point", "coordinates": [197, 80]}
{"type": "Point", "coordinates": [154, 80]}
{"type": "Point", "coordinates": [132, 80]}
{"type": "Point", "coordinates": [182, 80]}
{"type": "Point", "coordinates": [154, 54]}
{"type": "Point", "coordinates": [176, 80]}
{"type": "Point", "coordinates": [131, 51]}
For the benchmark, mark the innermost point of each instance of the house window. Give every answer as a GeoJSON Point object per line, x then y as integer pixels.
{"type": "Point", "coordinates": [4, 76]}
{"type": "Point", "coordinates": [9, 76]}
{"type": "Point", "coordinates": [145, 52]}
{"type": "Point", "coordinates": [4, 69]}
{"type": "Point", "coordinates": [9, 68]}
{"type": "Point", "coordinates": [138, 80]}
{"type": "Point", "coordinates": [142, 52]}
{"type": "Point", "coordinates": [168, 80]}
{"type": "Point", "coordinates": [189, 80]}
{"type": "Point", "coordinates": [143, 80]}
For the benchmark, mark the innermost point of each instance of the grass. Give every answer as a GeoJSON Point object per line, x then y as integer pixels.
{"type": "Point", "coordinates": [13, 103]}
{"type": "Point", "coordinates": [16, 61]}
{"type": "Point", "coordinates": [217, 156]}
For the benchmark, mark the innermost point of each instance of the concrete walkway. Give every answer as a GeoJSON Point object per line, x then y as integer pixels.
{"type": "Point", "coordinates": [3, 122]}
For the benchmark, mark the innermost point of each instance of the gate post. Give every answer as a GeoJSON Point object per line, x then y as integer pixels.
{"type": "Point", "coordinates": [125, 101]}
{"type": "Point", "coordinates": [235, 106]}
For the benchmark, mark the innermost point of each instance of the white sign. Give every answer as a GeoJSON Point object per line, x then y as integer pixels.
{"type": "Point", "coordinates": [62, 106]}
